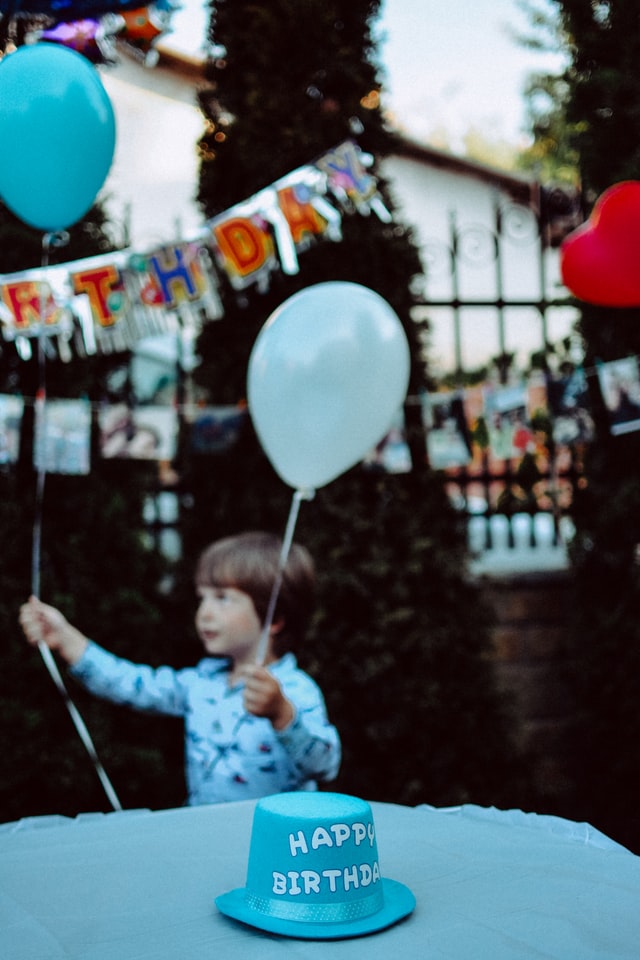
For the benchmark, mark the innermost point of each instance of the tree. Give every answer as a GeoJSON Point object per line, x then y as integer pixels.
{"type": "Point", "coordinates": [401, 637]}
{"type": "Point", "coordinates": [601, 110]}
{"type": "Point", "coordinates": [553, 153]}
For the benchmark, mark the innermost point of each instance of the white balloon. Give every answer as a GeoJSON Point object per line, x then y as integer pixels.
{"type": "Point", "coordinates": [327, 374]}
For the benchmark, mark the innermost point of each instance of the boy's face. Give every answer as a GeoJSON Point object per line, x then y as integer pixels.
{"type": "Point", "coordinates": [227, 623]}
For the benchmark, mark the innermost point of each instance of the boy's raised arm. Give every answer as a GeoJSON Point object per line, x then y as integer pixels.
{"type": "Point", "coordinates": [42, 623]}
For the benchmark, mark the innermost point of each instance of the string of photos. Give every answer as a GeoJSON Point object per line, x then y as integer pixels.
{"type": "Point", "coordinates": [462, 427]}
{"type": "Point", "coordinates": [108, 303]}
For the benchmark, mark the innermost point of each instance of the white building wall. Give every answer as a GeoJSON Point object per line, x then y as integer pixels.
{"type": "Point", "coordinates": [155, 170]}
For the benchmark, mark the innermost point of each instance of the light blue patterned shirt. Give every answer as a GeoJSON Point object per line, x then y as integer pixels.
{"type": "Point", "coordinates": [229, 754]}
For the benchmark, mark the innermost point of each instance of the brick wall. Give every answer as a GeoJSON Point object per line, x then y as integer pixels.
{"type": "Point", "coordinates": [530, 656]}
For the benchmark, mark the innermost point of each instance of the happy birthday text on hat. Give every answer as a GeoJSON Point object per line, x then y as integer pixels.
{"type": "Point", "coordinates": [295, 882]}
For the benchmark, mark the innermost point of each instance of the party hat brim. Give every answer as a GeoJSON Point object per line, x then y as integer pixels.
{"type": "Point", "coordinates": [399, 902]}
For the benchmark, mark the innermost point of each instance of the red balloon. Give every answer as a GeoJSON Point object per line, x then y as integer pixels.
{"type": "Point", "coordinates": [600, 261]}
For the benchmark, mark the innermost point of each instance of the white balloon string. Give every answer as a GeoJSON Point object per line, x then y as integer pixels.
{"type": "Point", "coordinates": [36, 549]}
{"type": "Point", "coordinates": [80, 726]}
{"type": "Point", "coordinates": [298, 497]}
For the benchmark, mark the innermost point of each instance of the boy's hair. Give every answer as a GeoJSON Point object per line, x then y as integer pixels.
{"type": "Point", "coordinates": [250, 562]}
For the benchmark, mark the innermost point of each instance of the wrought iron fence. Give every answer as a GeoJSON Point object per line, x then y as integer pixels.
{"type": "Point", "coordinates": [494, 293]}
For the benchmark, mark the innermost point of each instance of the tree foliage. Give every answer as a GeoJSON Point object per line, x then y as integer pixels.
{"type": "Point", "coordinates": [586, 119]}
{"type": "Point", "coordinates": [552, 154]}
{"type": "Point", "coordinates": [604, 102]}
{"type": "Point", "coordinates": [600, 108]}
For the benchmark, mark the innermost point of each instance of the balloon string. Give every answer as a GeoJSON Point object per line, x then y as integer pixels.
{"type": "Point", "coordinates": [39, 506]}
{"type": "Point", "coordinates": [39, 414]}
{"type": "Point", "coordinates": [80, 726]}
{"type": "Point", "coordinates": [298, 497]}
{"type": "Point", "coordinates": [36, 548]}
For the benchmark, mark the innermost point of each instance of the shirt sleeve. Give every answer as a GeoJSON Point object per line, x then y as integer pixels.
{"type": "Point", "coordinates": [145, 688]}
{"type": "Point", "coordinates": [311, 742]}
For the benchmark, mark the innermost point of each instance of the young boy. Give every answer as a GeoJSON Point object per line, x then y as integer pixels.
{"type": "Point", "coordinates": [250, 730]}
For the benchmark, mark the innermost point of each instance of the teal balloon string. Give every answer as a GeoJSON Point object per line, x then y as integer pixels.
{"type": "Point", "coordinates": [36, 550]}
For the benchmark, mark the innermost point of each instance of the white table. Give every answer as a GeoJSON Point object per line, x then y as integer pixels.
{"type": "Point", "coordinates": [490, 885]}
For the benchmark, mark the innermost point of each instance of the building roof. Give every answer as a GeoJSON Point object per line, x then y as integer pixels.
{"type": "Point", "coordinates": [190, 67]}
{"type": "Point", "coordinates": [520, 187]}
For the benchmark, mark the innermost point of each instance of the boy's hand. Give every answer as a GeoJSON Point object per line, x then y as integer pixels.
{"type": "Point", "coordinates": [44, 624]}
{"type": "Point", "coordinates": [263, 697]}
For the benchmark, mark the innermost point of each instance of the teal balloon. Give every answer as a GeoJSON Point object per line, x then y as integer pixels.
{"type": "Point", "coordinates": [57, 135]}
{"type": "Point", "coordinates": [327, 375]}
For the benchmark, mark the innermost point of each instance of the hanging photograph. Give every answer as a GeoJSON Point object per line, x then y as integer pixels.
{"type": "Point", "coordinates": [11, 410]}
{"type": "Point", "coordinates": [392, 453]}
{"type": "Point", "coordinates": [507, 418]}
{"type": "Point", "coordinates": [620, 386]}
{"type": "Point", "coordinates": [138, 433]}
{"type": "Point", "coordinates": [448, 441]}
{"type": "Point", "coordinates": [216, 429]}
{"type": "Point", "coordinates": [62, 440]}
{"type": "Point", "coordinates": [568, 397]}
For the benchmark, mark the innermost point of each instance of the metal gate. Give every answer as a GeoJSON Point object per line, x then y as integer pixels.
{"type": "Point", "coordinates": [515, 505]}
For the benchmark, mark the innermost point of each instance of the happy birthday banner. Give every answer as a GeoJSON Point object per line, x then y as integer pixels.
{"type": "Point", "coordinates": [97, 29]}
{"type": "Point", "coordinates": [107, 303]}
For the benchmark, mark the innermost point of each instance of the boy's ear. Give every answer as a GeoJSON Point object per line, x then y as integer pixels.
{"type": "Point", "coordinates": [276, 627]}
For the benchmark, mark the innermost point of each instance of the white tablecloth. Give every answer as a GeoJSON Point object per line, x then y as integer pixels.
{"type": "Point", "coordinates": [490, 885]}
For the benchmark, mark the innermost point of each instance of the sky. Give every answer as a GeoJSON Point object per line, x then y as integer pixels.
{"type": "Point", "coordinates": [448, 65]}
